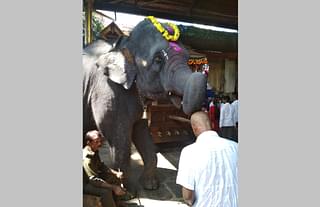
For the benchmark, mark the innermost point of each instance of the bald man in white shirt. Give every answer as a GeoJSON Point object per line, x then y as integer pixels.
{"type": "Point", "coordinates": [208, 168]}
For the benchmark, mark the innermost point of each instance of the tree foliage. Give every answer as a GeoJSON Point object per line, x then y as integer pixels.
{"type": "Point", "coordinates": [97, 26]}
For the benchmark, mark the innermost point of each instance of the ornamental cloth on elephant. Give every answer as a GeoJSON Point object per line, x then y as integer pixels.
{"type": "Point", "coordinates": [95, 169]}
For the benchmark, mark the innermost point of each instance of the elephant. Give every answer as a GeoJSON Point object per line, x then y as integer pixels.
{"type": "Point", "coordinates": [120, 76]}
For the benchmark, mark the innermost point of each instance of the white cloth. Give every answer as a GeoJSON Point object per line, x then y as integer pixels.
{"type": "Point", "coordinates": [209, 167]}
{"type": "Point", "coordinates": [226, 115]}
{"type": "Point", "coordinates": [235, 106]}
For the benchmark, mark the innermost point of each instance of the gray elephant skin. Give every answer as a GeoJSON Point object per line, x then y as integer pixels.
{"type": "Point", "coordinates": [120, 76]}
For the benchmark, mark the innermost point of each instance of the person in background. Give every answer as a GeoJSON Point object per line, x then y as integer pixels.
{"type": "Point", "coordinates": [226, 122]}
{"type": "Point", "coordinates": [208, 168]}
{"type": "Point", "coordinates": [98, 179]}
{"type": "Point", "coordinates": [235, 106]}
{"type": "Point", "coordinates": [213, 115]}
{"type": "Point", "coordinates": [219, 102]}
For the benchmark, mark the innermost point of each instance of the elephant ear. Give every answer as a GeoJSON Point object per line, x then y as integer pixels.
{"type": "Point", "coordinates": [118, 65]}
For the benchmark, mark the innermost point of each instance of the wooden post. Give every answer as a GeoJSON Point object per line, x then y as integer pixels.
{"type": "Point", "coordinates": [88, 12]}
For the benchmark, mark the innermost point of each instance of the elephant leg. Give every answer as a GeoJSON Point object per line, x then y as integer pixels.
{"type": "Point", "coordinates": [143, 141]}
{"type": "Point", "coordinates": [120, 151]}
{"type": "Point", "coordinates": [117, 130]}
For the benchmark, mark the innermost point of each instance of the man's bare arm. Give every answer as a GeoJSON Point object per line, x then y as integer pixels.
{"type": "Point", "coordinates": [188, 196]}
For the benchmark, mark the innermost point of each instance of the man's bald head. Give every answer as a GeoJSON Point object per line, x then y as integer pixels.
{"type": "Point", "coordinates": [94, 139]}
{"type": "Point", "coordinates": [93, 135]}
{"type": "Point", "coordinates": [200, 122]}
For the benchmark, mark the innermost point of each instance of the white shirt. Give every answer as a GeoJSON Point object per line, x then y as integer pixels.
{"type": "Point", "coordinates": [226, 115]}
{"type": "Point", "coordinates": [209, 167]}
{"type": "Point", "coordinates": [235, 107]}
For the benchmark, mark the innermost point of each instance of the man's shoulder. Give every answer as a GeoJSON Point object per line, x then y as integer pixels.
{"type": "Point", "coordinates": [87, 153]}
{"type": "Point", "coordinates": [229, 143]}
{"type": "Point", "coordinates": [188, 148]}
{"type": "Point", "coordinates": [214, 142]}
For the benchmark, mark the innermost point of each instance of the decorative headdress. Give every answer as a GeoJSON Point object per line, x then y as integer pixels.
{"type": "Point", "coordinates": [165, 32]}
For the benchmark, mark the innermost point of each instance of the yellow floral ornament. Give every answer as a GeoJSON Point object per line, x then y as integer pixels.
{"type": "Point", "coordinates": [165, 32]}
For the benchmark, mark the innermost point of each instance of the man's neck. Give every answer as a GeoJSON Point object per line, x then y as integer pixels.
{"type": "Point", "coordinates": [90, 149]}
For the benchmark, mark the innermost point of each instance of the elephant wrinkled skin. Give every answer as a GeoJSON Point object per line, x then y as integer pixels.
{"type": "Point", "coordinates": [119, 76]}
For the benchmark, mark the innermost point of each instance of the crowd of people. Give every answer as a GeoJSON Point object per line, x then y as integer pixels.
{"type": "Point", "coordinates": [223, 114]}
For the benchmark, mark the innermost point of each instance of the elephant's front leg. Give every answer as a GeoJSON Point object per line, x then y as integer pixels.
{"type": "Point", "coordinates": [117, 130]}
{"type": "Point", "coordinates": [120, 149]}
{"type": "Point", "coordinates": [143, 141]}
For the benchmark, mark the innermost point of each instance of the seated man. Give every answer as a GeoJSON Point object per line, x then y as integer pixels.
{"type": "Point", "coordinates": [98, 179]}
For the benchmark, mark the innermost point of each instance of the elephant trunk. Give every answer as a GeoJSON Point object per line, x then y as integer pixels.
{"type": "Point", "coordinates": [193, 88]}
{"type": "Point", "coordinates": [194, 93]}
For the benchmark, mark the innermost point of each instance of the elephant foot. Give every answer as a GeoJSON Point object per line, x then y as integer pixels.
{"type": "Point", "coordinates": [149, 183]}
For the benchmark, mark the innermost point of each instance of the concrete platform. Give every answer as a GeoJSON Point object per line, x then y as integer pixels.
{"type": "Point", "coordinates": [169, 193]}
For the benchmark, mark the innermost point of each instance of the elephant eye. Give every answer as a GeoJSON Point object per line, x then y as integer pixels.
{"type": "Point", "coordinates": [158, 59]}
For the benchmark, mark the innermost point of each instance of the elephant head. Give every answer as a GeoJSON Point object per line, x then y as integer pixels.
{"type": "Point", "coordinates": [156, 65]}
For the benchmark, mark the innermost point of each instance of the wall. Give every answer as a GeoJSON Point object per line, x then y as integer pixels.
{"type": "Point", "coordinates": [223, 74]}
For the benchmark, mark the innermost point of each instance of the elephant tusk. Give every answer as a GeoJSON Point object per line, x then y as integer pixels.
{"type": "Point", "coordinates": [178, 118]}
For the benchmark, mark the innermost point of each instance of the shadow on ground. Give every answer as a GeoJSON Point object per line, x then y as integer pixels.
{"type": "Point", "coordinates": [169, 193]}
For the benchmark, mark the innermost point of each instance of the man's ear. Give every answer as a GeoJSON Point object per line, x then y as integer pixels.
{"type": "Point", "coordinates": [119, 67]}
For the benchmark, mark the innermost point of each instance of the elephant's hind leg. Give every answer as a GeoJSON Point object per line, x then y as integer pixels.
{"type": "Point", "coordinates": [143, 141]}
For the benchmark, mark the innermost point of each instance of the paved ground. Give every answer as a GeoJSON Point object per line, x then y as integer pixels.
{"type": "Point", "coordinates": [169, 193]}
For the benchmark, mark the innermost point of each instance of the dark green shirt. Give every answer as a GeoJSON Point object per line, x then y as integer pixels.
{"type": "Point", "coordinates": [92, 165]}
